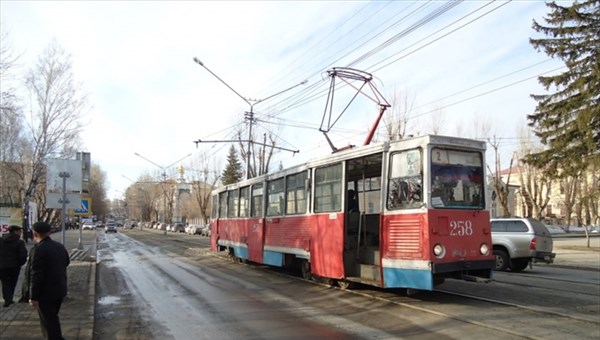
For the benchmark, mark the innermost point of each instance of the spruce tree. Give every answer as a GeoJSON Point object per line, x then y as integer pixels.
{"type": "Point", "coordinates": [233, 170]}
{"type": "Point", "coordinates": [568, 120]}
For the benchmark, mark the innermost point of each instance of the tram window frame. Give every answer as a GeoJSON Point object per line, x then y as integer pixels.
{"type": "Point", "coordinates": [369, 192]}
{"type": "Point", "coordinates": [295, 192]}
{"type": "Point", "coordinates": [457, 179]}
{"type": "Point", "coordinates": [223, 204]}
{"type": "Point", "coordinates": [215, 206]}
{"type": "Point", "coordinates": [233, 203]}
{"type": "Point", "coordinates": [275, 197]}
{"type": "Point", "coordinates": [405, 181]}
{"type": "Point", "coordinates": [256, 204]}
{"type": "Point", "coordinates": [328, 188]}
{"type": "Point", "coordinates": [244, 202]}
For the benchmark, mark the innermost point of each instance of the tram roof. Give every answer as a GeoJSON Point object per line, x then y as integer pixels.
{"type": "Point", "coordinates": [361, 151]}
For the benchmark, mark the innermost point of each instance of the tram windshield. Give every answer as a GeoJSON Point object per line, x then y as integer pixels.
{"type": "Point", "coordinates": [456, 179]}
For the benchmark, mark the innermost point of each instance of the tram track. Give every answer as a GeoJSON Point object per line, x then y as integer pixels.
{"type": "Point", "coordinates": [548, 279]}
{"type": "Point", "coordinates": [528, 322]}
{"type": "Point", "coordinates": [527, 308]}
{"type": "Point", "coordinates": [586, 289]}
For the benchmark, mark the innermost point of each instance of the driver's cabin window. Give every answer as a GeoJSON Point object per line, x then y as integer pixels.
{"type": "Point", "coordinates": [405, 185]}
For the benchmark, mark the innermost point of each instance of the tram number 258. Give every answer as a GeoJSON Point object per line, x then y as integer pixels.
{"type": "Point", "coordinates": [461, 228]}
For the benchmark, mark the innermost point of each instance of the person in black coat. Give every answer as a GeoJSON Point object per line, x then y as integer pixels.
{"type": "Point", "coordinates": [47, 279]}
{"type": "Point", "coordinates": [13, 255]}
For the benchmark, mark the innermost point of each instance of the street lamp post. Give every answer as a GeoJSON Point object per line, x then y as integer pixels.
{"type": "Point", "coordinates": [164, 179]}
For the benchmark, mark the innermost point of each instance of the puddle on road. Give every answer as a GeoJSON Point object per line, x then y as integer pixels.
{"type": "Point", "coordinates": [108, 300]}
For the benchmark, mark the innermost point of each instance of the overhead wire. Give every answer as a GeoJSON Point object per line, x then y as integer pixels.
{"type": "Point", "coordinates": [298, 59]}
{"type": "Point", "coordinates": [425, 20]}
{"type": "Point", "coordinates": [312, 95]}
{"type": "Point", "coordinates": [440, 37]}
{"type": "Point", "coordinates": [486, 92]}
{"type": "Point", "coordinates": [317, 90]}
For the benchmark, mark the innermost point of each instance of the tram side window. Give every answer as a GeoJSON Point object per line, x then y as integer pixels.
{"type": "Point", "coordinates": [296, 194]}
{"type": "Point", "coordinates": [233, 203]}
{"type": "Point", "coordinates": [257, 199]}
{"type": "Point", "coordinates": [215, 207]}
{"type": "Point", "coordinates": [275, 198]}
{"type": "Point", "coordinates": [405, 186]}
{"type": "Point", "coordinates": [328, 188]}
{"type": "Point", "coordinates": [245, 202]}
{"type": "Point", "coordinates": [223, 204]}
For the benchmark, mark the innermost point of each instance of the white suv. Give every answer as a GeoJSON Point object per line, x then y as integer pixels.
{"type": "Point", "coordinates": [518, 241]}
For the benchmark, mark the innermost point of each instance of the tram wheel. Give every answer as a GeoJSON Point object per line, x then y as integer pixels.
{"type": "Point", "coordinates": [305, 268]}
{"type": "Point", "coordinates": [344, 284]}
{"type": "Point", "coordinates": [231, 254]}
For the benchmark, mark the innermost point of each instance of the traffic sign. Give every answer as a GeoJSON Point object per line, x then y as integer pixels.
{"type": "Point", "coordinates": [85, 209]}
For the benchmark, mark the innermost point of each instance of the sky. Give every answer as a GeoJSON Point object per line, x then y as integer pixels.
{"type": "Point", "coordinates": [461, 65]}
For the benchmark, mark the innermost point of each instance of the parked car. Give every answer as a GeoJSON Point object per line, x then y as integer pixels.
{"type": "Point", "coordinates": [205, 230]}
{"type": "Point", "coordinates": [88, 226]}
{"type": "Point", "coordinates": [178, 228]}
{"type": "Point", "coordinates": [520, 241]}
{"type": "Point", "coordinates": [193, 229]}
{"type": "Point", "coordinates": [111, 227]}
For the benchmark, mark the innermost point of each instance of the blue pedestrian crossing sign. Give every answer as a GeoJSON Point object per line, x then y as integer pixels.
{"type": "Point", "coordinates": [85, 209]}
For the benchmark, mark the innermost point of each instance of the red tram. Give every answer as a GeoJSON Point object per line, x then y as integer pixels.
{"type": "Point", "coordinates": [403, 214]}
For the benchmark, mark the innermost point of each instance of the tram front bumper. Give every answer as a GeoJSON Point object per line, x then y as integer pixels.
{"type": "Point", "coordinates": [464, 266]}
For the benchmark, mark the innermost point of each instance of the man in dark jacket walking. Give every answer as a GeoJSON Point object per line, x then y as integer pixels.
{"type": "Point", "coordinates": [47, 277]}
{"type": "Point", "coordinates": [13, 255]}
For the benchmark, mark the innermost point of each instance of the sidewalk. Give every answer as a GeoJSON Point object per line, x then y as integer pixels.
{"type": "Point", "coordinates": [20, 321]}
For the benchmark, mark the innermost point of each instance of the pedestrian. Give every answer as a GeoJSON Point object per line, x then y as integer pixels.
{"type": "Point", "coordinates": [26, 234]}
{"type": "Point", "coordinates": [13, 255]}
{"type": "Point", "coordinates": [47, 277]}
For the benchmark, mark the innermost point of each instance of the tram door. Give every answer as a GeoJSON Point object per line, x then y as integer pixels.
{"type": "Point", "coordinates": [255, 227]}
{"type": "Point", "coordinates": [362, 218]}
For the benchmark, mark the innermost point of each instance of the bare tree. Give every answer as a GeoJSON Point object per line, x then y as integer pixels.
{"type": "Point", "coordinates": [501, 187]}
{"type": "Point", "coordinates": [57, 104]}
{"type": "Point", "coordinates": [146, 196]}
{"type": "Point", "coordinates": [11, 127]}
{"type": "Point", "coordinates": [569, 189]}
{"type": "Point", "coordinates": [202, 183]}
{"type": "Point", "coordinates": [10, 111]}
{"type": "Point", "coordinates": [437, 122]}
{"type": "Point", "coordinates": [258, 162]}
{"type": "Point", "coordinates": [97, 191]}
{"type": "Point", "coordinates": [535, 190]}
{"type": "Point", "coordinates": [395, 120]}
{"type": "Point", "coordinates": [587, 206]}
{"type": "Point", "coordinates": [591, 194]}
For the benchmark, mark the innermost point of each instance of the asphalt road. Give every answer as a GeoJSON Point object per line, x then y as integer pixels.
{"type": "Point", "coordinates": [155, 286]}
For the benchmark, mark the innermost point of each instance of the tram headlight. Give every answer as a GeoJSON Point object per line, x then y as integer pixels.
{"type": "Point", "coordinates": [484, 249]}
{"type": "Point", "coordinates": [439, 250]}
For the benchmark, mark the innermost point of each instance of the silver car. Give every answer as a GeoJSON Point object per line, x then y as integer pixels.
{"type": "Point", "coordinates": [111, 227]}
{"type": "Point", "coordinates": [519, 241]}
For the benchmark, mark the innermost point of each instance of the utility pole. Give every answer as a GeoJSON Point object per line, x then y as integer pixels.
{"type": "Point", "coordinates": [249, 116]}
